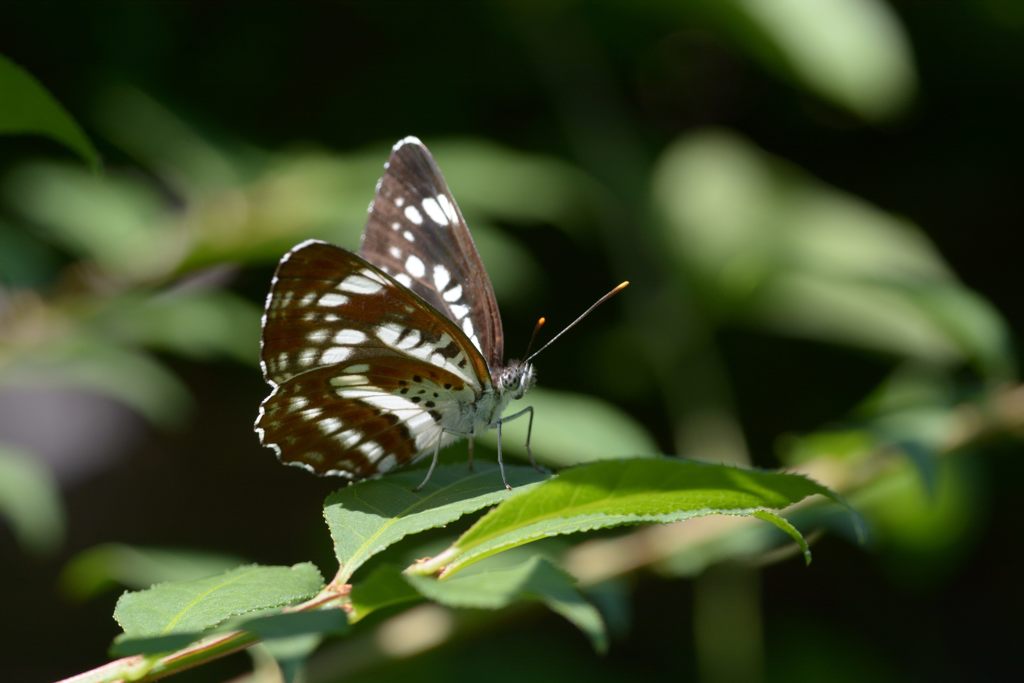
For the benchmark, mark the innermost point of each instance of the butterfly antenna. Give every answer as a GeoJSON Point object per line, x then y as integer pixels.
{"type": "Point", "coordinates": [618, 288]}
{"type": "Point", "coordinates": [533, 337]}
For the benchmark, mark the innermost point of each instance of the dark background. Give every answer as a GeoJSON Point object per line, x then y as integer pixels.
{"type": "Point", "coordinates": [605, 87]}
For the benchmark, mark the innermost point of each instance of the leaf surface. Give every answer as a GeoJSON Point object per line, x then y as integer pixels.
{"type": "Point", "coordinates": [369, 516]}
{"type": "Point", "coordinates": [196, 606]}
{"type": "Point", "coordinates": [615, 493]}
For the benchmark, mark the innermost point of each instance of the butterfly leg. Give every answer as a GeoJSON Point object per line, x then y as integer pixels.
{"type": "Point", "coordinates": [529, 432]}
{"type": "Point", "coordinates": [433, 464]}
{"type": "Point", "coordinates": [501, 465]}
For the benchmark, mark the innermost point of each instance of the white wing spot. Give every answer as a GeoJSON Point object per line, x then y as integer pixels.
{"type": "Point", "coordinates": [414, 215]}
{"type": "Point", "coordinates": [433, 210]}
{"type": "Point", "coordinates": [311, 413]}
{"type": "Point", "coordinates": [318, 336]}
{"type": "Point", "coordinates": [415, 266]}
{"type": "Point", "coordinates": [333, 300]}
{"type": "Point", "coordinates": [360, 283]}
{"type": "Point", "coordinates": [396, 226]}
{"type": "Point", "coordinates": [335, 354]}
{"type": "Point", "coordinates": [404, 279]}
{"type": "Point", "coordinates": [395, 252]}
{"type": "Point", "coordinates": [331, 318]}
{"type": "Point", "coordinates": [459, 311]}
{"type": "Point", "coordinates": [348, 380]}
{"type": "Point", "coordinates": [349, 437]}
{"type": "Point", "coordinates": [358, 368]}
{"type": "Point", "coordinates": [349, 337]}
{"type": "Point", "coordinates": [371, 449]}
{"type": "Point", "coordinates": [399, 202]}
{"type": "Point", "coordinates": [389, 333]}
{"type": "Point", "coordinates": [410, 340]}
{"type": "Point", "coordinates": [467, 327]}
{"type": "Point", "coordinates": [297, 403]}
{"type": "Point", "coordinates": [307, 357]}
{"type": "Point", "coordinates": [409, 236]}
{"type": "Point", "coordinates": [441, 277]}
{"type": "Point", "coordinates": [453, 294]}
{"type": "Point", "coordinates": [330, 425]}
{"type": "Point", "coordinates": [448, 208]}
{"type": "Point", "coordinates": [308, 299]}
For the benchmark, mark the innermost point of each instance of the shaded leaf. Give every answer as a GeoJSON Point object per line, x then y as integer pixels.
{"type": "Point", "coordinates": [295, 627]}
{"type": "Point", "coordinates": [123, 374]}
{"type": "Point", "coordinates": [535, 579]}
{"type": "Point", "coordinates": [195, 606]}
{"type": "Point", "coordinates": [28, 108]}
{"type": "Point", "coordinates": [569, 429]}
{"type": "Point", "coordinates": [110, 565]}
{"type": "Point", "coordinates": [369, 516]}
{"type": "Point", "coordinates": [30, 501]}
{"type": "Point", "coordinates": [614, 493]}
{"type": "Point", "coordinates": [383, 587]}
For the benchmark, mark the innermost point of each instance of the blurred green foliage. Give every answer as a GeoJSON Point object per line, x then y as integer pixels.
{"type": "Point", "coordinates": [809, 196]}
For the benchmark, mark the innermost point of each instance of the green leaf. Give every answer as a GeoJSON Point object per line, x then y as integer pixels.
{"type": "Point", "coordinates": [196, 606]}
{"type": "Point", "coordinates": [511, 185]}
{"type": "Point", "coordinates": [369, 516]}
{"type": "Point", "coordinates": [83, 362]}
{"type": "Point", "coordinates": [852, 52]}
{"type": "Point", "coordinates": [569, 429]}
{"type": "Point", "coordinates": [383, 587]}
{"type": "Point", "coordinates": [772, 245]}
{"type": "Point", "coordinates": [30, 501]}
{"type": "Point", "coordinates": [535, 579]}
{"type": "Point", "coordinates": [614, 493]}
{"type": "Point", "coordinates": [28, 108]}
{"type": "Point", "coordinates": [198, 324]}
{"type": "Point", "coordinates": [119, 222]}
{"type": "Point", "coordinates": [109, 565]}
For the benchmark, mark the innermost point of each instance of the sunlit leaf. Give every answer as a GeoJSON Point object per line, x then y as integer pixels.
{"type": "Point", "coordinates": [502, 183]}
{"type": "Point", "coordinates": [110, 565]}
{"type": "Point", "coordinates": [533, 579]}
{"type": "Point", "coordinates": [195, 606]}
{"type": "Point", "coordinates": [615, 493]}
{"type": "Point", "coordinates": [778, 248]}
{"type": "Point", "coordinates": [200, 324]}
{"type": "Point", "coordinates": [852, 52]}
{"type": "Point", "coordinates": [120, 223]}
{"type": "Point", "coordinates": [369, 516]}
{"type": "Point", "coordinates": [569, 429]}
{"type": "Point", "coordinates": [30, 501]}
{"type": "Point", "coordinates": [28, 108]}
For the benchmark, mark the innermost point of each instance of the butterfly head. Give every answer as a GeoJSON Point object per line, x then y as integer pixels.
{"type": "Point", "coordinates": [516, 378]}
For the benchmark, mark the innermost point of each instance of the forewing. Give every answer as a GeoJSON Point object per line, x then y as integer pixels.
{"type": "Point", "coordinates": [416, 233]}
{"type": "Point", "coordinates": [328, 306]}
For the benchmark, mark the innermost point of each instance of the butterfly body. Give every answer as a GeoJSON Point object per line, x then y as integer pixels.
{"type": "Point", "coordinates": [380, 358]}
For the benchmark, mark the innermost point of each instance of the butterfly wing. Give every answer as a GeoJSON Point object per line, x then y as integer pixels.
{"type": "Point", "coordinates": [416, 233]}
{"type": "Point", "coordinates": [362, 369]}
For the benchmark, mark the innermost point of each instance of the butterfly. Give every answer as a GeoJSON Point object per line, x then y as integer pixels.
{"type": "Point", "coordinates": [379, 358]}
